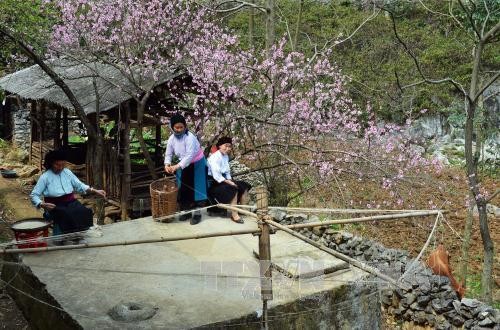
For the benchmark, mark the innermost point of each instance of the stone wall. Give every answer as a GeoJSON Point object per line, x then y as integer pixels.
{"type": "Point", "coordinates": [21, 127]}
{"type": "Point", "coordinates": [431, 301]}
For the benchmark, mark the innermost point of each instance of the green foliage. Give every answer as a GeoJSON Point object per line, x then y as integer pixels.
{"type": "Point", "coordinates": [373, 59]}
{"type": "Point", "coordinates": [30, 20]}
{"type": "Point", "coordinates": [4, 144]}
{"type": "Point", "coordinates": [76, 139]}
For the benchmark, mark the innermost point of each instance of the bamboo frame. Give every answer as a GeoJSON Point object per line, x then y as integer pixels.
{"type": "Point", "coordinates": [329, 211]}
{"type": "Point", "coordinates": [145, 241]}
{"type": "Point", "coordinates": [364, 219]}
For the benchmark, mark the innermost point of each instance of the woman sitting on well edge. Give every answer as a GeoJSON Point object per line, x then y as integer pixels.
{"type": "Point", "coordinates": [222, 188]}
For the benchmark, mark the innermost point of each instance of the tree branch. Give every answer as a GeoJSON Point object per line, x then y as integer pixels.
{"type": "Point", "coordinates": [417, 64]}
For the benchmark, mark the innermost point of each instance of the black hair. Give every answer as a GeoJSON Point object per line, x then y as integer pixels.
{"type": "Point", "coordinates": [53, 156]}
{"type": "Point", "coordinates": [177, 118]}
{"type": "Point", "coordinates": [223, 140]}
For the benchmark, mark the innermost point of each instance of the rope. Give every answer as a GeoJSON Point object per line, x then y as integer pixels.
{"type": "Point", "coordinates": [415, 261]}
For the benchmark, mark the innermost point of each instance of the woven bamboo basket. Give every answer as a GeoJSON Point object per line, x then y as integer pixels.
{"type": "Point", "coordinates": [163, 197]}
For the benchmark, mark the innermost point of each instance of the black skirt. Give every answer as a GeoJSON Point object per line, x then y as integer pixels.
{"type": "Point", "coordinates": [71, 216]}
{"type": "Point", "coordinates": [224, 193]}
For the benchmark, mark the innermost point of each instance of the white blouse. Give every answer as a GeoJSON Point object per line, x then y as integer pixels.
{"type": "Point", "coordinates": [218, 166]}
{"type": "Point", "coordinates": [186, 148]}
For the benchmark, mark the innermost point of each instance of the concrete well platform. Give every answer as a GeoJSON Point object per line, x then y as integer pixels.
{"type": "Point", "coordinates": [201, 283]}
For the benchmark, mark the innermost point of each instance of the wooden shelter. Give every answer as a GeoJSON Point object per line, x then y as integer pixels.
{"type": "Point", "coordinates": [106, 96]}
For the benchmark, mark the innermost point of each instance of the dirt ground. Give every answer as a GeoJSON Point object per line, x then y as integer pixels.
{"type": "Point", "coordinates": [14, 204]}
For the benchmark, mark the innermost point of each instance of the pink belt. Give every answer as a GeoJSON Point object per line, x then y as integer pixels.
{"type": "Point", "coordinates": [198, 156]}
{"type": "Point", "coordinates": [61, 199]}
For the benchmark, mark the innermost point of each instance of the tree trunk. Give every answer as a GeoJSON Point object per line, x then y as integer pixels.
{"type": "Point", "coordinates": [473, 179]}
{"type": "Point", "coordinates": [270, 35]}
{"type": "Point", "coordinates": [251, 27]}
{"type": "Point", "coordinates": [147, 156]}
{"type": "Point", "coordinates": [297, 26]}
{"type": "Point", "coordinates": [466, 242]}
{"type": "Point", "coordinates": [127, 167]}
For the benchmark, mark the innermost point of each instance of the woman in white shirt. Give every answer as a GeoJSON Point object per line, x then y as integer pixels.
{"type": "Point", "coordinates": [223, 189]}
{"type": "Point", "coordinates": [191, 170]}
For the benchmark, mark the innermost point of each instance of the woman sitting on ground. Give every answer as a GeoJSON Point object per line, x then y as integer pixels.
{"type": "Point", "coordinates": [58, 185]}
{"type": "Point", "coordinates": [223, 189]}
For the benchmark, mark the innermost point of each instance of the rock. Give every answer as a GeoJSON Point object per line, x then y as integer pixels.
{"type": "Point", "coordinates": [416, 307]}
{"type": "Point", "coordinates": [27, 171]}
{"type": "Point", "coordinates": [408, 300]}
{"type": "Point", "coordinates": [386, 297]}
{"type": "Point", "coordinates": [455, 318]}
{"type": "Point", "coordinates": [338, 238]}
{"type": "Point", "coordinates": [313, 218]}
{"type": "Point", "coordinates": [483, 315]}
{"type": "Point", "coordinates": [318, 230]}
{"type": "Point", "coordinates": [441, 306]}
{"type": "Point", "coordinates": [132, 312]}
{"type": "Point", "coordinates": [490, 209]}
{"type": "Point", "coordinates": [425, 288]}
{"type": "Point", "coordinates": [420, 318]}
{"type": "Point", "coordinates": [443, 324]}
{"type": "Point", "coordinates": [487, 322]}
{"type": "Point", "coordinates": [456, 305]}
{"type": "Point", "coordinates": [493, 210]}
{"type": "Point", "coordinates": [440, 157]}
{"type": "Point", "coordinates": [347, 236]}
{"type": "Point", "coordinates": [427, 127]}
{"type": "Point", "coordinates": [355, 241]}
{"type": "Point", "coordinates": [278, 215]}
{"type": "Point", "coordinates": [466, 313]}
{"type": "Point", "coordinates": [408, 315]}
{"type": "Point", "coordinates": [468, 324]}
{"type": "Point", "coordinates": [423, 300]}
{"type": "Point", "coordinates": [343, 247]}
{"type": "Point", "coordinates": [331, 231]}
{"type": "Point", "coordinates": [430, 319]}
{"type": "Point", "coordinates": [400, 293]}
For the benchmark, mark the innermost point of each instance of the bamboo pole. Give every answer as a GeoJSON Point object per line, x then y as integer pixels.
{"type": "Point", "coordinates": [363, 219]}
{"type": "Point", "coordinates": [339, 255]}
{"type": "Point", "coordinates": [145, 241]}
{"type": "Point", "coordinates": [323, 210]}
{"type": "Point", "coordinates": [237, 209]}
{"type": "Point", "coordinates": [341, 221]}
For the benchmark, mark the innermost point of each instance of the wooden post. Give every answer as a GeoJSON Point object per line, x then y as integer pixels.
{"type": "Point", "coordinates": [65, 133]}
{"type": "Point", "coordinates": [158, 158]}
{"type": "Point", "coordinates": [41, 113]}
{"type": "Point", "coordinates": [266, 284]}
{"type": "Point", "coordinates": [57, 135]}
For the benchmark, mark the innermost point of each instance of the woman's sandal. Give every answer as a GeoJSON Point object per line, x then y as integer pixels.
{"type": "Point", "coordinates": [240, 220]}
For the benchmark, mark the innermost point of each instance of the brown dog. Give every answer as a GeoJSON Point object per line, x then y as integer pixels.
{"type": "Point", "coordinates": [439, 262]}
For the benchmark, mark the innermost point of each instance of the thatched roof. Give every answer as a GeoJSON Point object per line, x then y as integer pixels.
{"type": "Point", "coordinates": [113, 87]}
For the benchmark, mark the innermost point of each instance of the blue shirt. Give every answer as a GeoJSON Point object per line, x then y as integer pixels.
{"type": "Point", "coordinates": [56, 185]}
